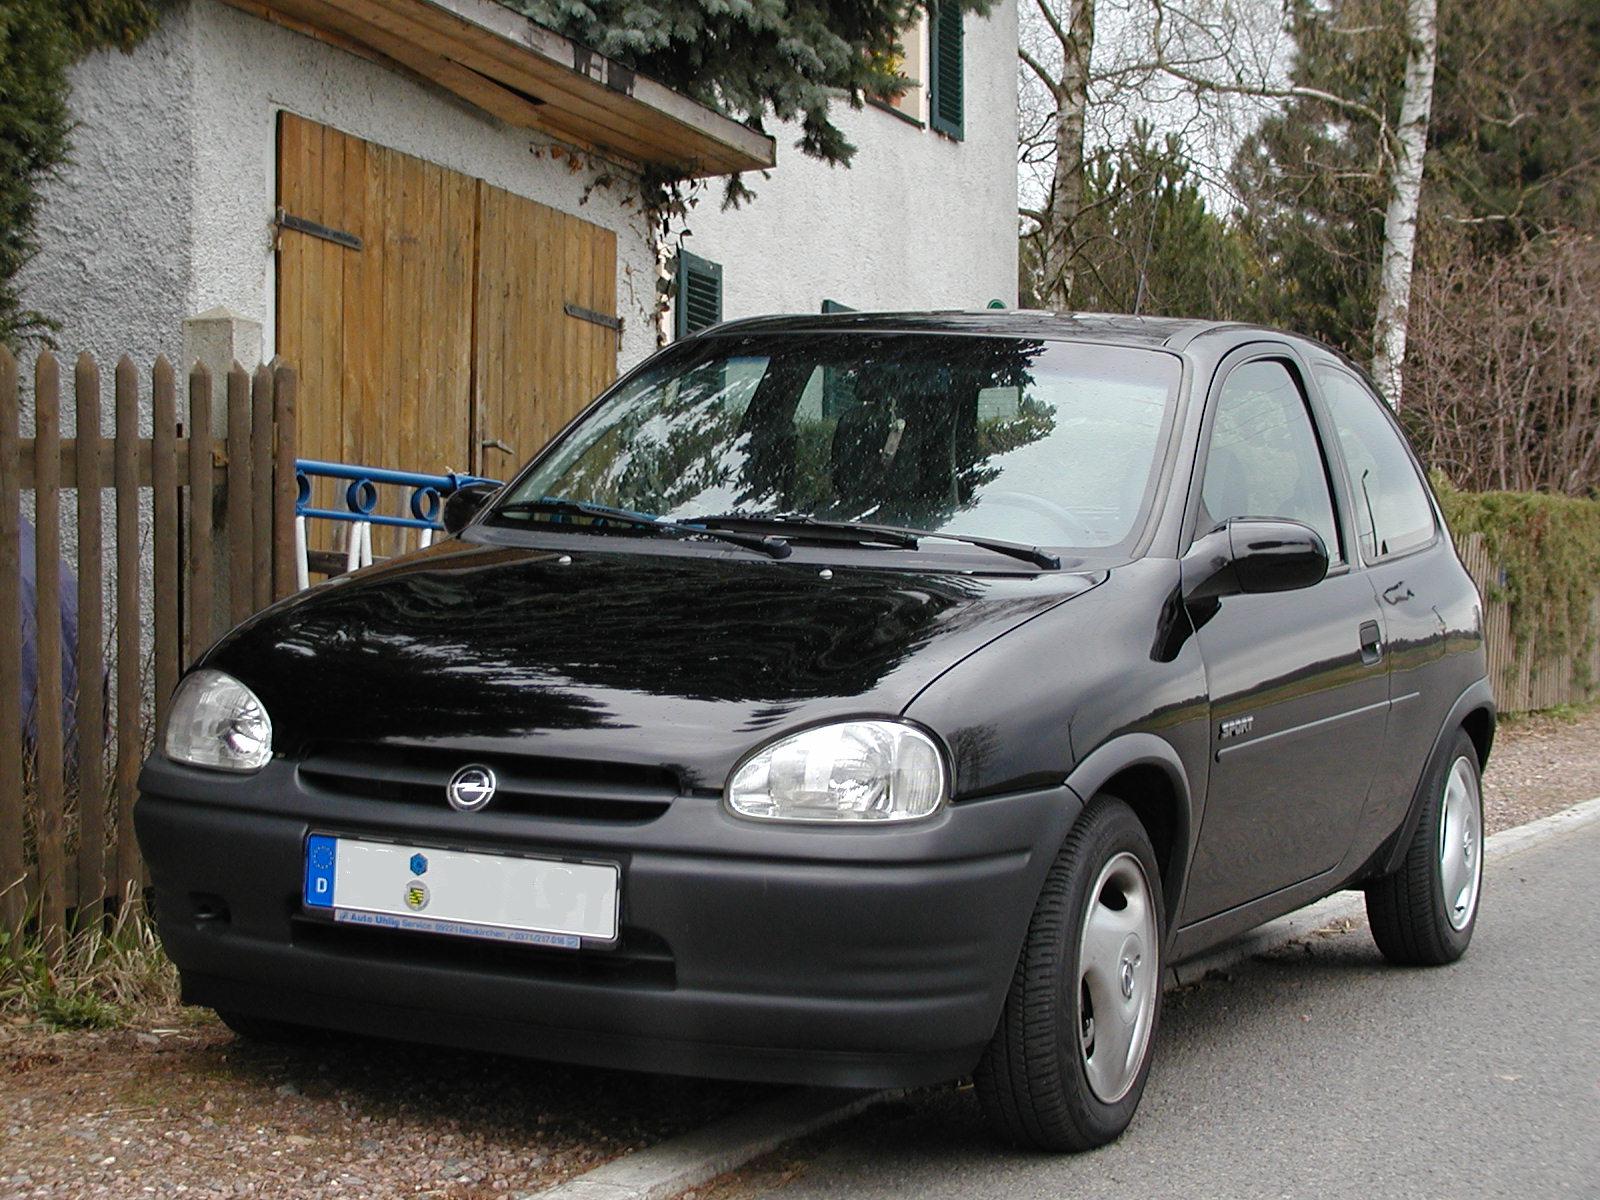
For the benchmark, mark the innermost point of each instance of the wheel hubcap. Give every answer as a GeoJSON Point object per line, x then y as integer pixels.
{"type": "Point", "coordinates": [1117, 978]}
{"type": "Point", "coordinates": [1461, 844]}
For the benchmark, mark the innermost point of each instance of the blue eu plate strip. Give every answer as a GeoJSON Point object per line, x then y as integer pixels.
{"type": "Point", "coordinates": [322, 853]}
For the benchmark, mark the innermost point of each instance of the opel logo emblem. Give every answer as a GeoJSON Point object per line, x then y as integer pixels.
{"type": "Point", "coordinates": [470, 788]}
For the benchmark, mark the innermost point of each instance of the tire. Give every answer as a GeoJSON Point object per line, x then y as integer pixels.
{"type": "Point", "coordinates": [1039, 1081]}
{"type": "Point", "coordinates": [266, 1030]}
{"type": "Point", "coordinates": [1424, 913]}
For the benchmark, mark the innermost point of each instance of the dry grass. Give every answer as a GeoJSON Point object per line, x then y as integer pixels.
{"type": "Point", "coordinates": [103, 976]}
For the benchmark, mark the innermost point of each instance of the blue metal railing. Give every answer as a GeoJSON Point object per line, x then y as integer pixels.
{"type": "Point", "coordinates": [361, 498]}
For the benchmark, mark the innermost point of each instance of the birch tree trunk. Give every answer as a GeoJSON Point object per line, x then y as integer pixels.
{"type": "Point", "coordinates": [1071, 95]}
{"type": "Point", "coordinates": [1405, 195]}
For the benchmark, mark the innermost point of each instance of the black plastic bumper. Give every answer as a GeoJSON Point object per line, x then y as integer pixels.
{"type": "Point", "coordinates": [851, 957]}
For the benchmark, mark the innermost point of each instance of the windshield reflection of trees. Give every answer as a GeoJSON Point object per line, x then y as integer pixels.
{"type": "Point", "coordinates": [891, 428]}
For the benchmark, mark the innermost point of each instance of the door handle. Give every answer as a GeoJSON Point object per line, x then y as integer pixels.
{"type": "Point", "coordinates": [497, 444]}
{"type": "Point", "coordinates": [1395, 596]}
{"type": "Point", "coordinates": [1371, 642]}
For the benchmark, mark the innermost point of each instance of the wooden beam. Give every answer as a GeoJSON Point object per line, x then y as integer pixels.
{"type": "Point", "coordinates": [576, 103]}
{"type": "Point", "coordinates": [142, 460]}
{"type": "Point", "coordinates": [413, 59]}
{"type": "Point", "coordinates": [284, 16]}
{"type": "Point", "coordinates": [745, 149]}
{"type": "Point", "coordinates": [530, 77]}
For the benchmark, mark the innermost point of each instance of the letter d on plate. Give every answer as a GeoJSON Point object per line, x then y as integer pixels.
{"type": "Point", "coordinates": [322, 854]}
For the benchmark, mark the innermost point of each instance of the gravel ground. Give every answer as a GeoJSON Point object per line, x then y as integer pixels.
{"type": "Point", "coordinates": [179, 1107]}
{"type": "Point", "coordinates": [1541, 764]}
{"type": "Point", "coordinates": [184, 1109]}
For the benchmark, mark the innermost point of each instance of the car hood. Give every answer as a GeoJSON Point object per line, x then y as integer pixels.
{"type": "Point", "coordinates": [679, 660]}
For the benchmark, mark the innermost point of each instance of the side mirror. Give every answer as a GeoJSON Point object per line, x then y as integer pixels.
{"type": "Point", "coordinates": [465, 503]}
{"type": "Point", "coordinates": [1253, 555]}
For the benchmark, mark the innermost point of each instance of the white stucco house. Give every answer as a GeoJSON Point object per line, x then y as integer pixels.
{"type": "Point", "coordinates": [432, 208]}
{"type": "Point", "coordinates": [924, 217]}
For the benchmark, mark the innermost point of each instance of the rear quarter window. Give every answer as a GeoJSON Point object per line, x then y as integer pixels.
{"type": "Point", "coordinates": [1392, 510]}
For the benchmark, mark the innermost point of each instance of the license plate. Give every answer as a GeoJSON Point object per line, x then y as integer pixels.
{"type": "Point", "coordinates": [498, 897]}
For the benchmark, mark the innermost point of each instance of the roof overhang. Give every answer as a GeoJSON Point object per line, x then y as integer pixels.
{"type": "Point", "coordinates": [533, 78]}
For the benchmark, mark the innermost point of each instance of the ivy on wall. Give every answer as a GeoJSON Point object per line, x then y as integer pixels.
{"type": "Point", "coordinates": [1548, 550]}
{"type": "Point", "coordinates": [39, 41]}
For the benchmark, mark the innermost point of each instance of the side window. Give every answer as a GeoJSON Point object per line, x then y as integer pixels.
{"type": "Point", "coordinates": [1264, 460]}
{"type": "Point", "coordinates": [1393, 514]}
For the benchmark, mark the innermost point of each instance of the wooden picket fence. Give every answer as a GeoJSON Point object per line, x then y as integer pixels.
{"type": "Point", "coordinates": [205, 524]}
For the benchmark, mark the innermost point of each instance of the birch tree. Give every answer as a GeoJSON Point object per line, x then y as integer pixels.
{"type": "Point", "coordinates": [1221, 65]}
{"type": "Point", "coordinates": [1090, 83]}
{"type": "Point", "coordinates": [1403, 148]}
{"type": "Point", "coordinates": [1405, 199]}
{"type": "Point", "coordinates": [1068, 90]}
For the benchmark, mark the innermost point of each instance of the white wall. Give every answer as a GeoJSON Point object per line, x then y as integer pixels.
{"type": "Point", "coordinates": [115, 259]}
{"type": "Point", "coordinates": [168, 206]}
{"type": "Point", "coordinates": [918, 220]}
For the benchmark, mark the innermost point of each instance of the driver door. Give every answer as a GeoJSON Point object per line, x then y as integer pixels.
{"type": "Point", "coordinates": [1297, 680]}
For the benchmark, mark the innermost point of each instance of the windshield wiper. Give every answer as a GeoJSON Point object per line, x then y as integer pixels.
{"type": "Point", "coordinates": [561, 506]}
{"type": "Point", "coordinates": [853, 531]}
{"type": "Point", "coordinates": [893, 535]}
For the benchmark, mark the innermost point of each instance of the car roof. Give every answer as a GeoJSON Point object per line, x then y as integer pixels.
{"type": "Point", "coordinates": [1171, 333]}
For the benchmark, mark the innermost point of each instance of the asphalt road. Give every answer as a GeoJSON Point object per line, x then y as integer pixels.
{"type": "Point", "coordinates": [1318, 1071]}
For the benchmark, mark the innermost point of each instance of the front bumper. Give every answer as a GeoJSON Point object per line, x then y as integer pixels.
{"type": "Point", "coordinates": [850, 957]}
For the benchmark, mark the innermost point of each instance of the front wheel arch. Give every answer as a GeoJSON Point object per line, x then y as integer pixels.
{"type": "Point", "coordinates": [1145, 773]}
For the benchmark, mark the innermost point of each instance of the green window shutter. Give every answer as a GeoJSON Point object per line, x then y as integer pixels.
{"type": "Point", "coordinates": [833, 306]}
{"type": "Point", "coordinates": [947, 52]}
{"type": "Point", "coordinates": [699, 294]}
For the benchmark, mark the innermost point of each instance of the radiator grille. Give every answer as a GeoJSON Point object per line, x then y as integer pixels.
{"type": "Point", "coordinates": [571, 789]}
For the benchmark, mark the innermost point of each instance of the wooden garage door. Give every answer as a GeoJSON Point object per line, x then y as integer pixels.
{"type": "Point", "coordinates": [541, 353]}
{"type": "Point", "coordinates": [449, 326]}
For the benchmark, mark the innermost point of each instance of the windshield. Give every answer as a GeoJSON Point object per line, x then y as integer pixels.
{"type": "Point", "coordinates": [1036, 442]}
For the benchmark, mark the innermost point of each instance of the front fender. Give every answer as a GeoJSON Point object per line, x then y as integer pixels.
{"type": "Point", "coordinates": [1145, 758]}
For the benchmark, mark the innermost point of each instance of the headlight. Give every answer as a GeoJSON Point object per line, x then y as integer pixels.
{"type": "Point", "coordinates": [217, 722]}
{"type": "Point", "coordinates": [852, 771]}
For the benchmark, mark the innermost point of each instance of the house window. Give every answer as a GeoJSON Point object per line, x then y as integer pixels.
{"type": "Point", "coordinates": [946, 54]}
{"type": "Point", "coordinates": [914, 66]}
{"type": "Point", "coordinates": [699, 294]}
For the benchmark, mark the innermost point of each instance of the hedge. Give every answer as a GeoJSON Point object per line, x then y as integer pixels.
{"type": "Point", "coordinates": [1548, 550]}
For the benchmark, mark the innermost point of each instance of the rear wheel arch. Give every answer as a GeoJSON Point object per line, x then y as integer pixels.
{"type": "Point", "coordinates": [1474, 711]}
{"type": "Point", "coordinates": [1480, 727]}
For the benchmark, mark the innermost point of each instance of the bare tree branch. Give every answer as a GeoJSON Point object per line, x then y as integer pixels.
{"type": "Point", "coordinates": [1039, 69]}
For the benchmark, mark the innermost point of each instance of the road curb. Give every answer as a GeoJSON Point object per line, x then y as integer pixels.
{"type": "Point", "coordinates": [684, 1162]}
{"type": "Point", "coordinates": [674, 1166]}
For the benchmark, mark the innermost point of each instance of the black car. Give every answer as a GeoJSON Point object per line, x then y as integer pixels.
{"type": "Point", "coordinates": [863, 700]}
